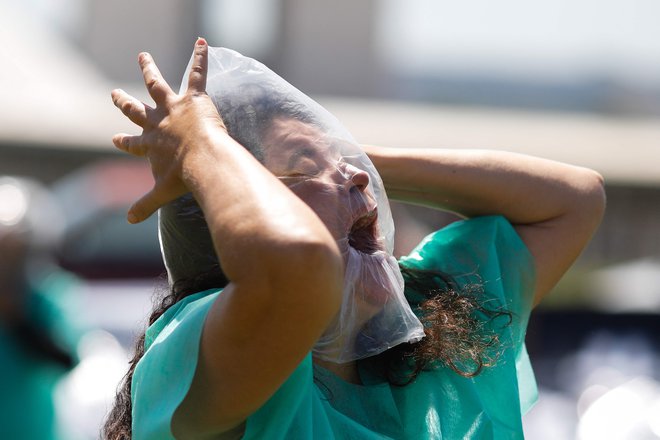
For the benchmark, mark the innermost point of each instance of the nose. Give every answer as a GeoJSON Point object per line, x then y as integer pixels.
{"type": "Point", "coordinates": [357, 176]}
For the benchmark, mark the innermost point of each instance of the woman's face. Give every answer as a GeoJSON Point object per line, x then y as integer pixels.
{"type": "Point", "coordinates": [311, 166]}
{"type": "Point", "coordinates": [310, 163]}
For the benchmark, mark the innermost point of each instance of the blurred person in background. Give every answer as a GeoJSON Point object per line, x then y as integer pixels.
{"type": "Point", "coordinates": [36, 338]}
{"type": "Point", "coordinates": [286, 227]}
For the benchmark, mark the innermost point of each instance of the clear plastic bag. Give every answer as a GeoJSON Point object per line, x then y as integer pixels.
{"type": "Point", "coordinates": [315, 156]}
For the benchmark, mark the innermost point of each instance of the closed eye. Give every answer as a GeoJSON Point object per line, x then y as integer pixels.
{"type": "Point", "coordinates": [294, 177]}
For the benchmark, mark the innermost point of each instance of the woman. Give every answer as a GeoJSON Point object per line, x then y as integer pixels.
{"type": "Point", "coordinates": [288, 232]}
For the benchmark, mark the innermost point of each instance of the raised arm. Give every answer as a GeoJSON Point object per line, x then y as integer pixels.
{"type": "Point", "coordinates": [555, 207]}
{"type": "Point", "coordinates": [284, 267]}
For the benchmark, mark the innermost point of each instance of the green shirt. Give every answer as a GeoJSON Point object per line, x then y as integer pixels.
{"type": "Point", "coordinates": [315, 404]}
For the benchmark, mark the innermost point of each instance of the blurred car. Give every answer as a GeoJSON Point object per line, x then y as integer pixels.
{"type": "Point", "coordinates": [98, 242]}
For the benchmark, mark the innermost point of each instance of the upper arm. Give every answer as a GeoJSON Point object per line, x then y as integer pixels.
{"type": "Point", "coordinates": [554, 207]}
{"type": "Point", "coordinates": [556, 243]}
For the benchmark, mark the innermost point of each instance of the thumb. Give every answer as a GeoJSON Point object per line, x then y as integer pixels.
{"type": "Point", "coordinates": [145, 207]}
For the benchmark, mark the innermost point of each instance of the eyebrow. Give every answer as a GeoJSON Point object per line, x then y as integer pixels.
{"type": "Point", "coordinates": [305, 150]}
{"type": "Point", "coordinates": [299, 154]}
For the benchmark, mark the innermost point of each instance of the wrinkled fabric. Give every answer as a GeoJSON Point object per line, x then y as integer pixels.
{"type": "Point", "coordinates": [313, 155]}
{"type": "Point", "coordinates": [313, 403]}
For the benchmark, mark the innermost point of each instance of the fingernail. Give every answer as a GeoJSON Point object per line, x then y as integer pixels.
{"type": "Point", "coordinates": [201, 41]}
{"type": "Point", "coordinates": [131, 218]}
{"type": "Point", "coordinates": [142, 56]}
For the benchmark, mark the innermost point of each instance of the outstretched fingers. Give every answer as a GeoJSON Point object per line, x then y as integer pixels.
{"type": "Point", "coordinates": [159, 195]}
{"type": "Point", "coordinates": [135, 110]}
{"type": "Point", "coordinates": [144, 208]}
{"type": "Point", "coordinates": [197, 76]}
{"type": "Point", "coordinates": [161, 134]}
{"type": "Point", "coordinates": [132, 144]}
{"type": "Point", "coordinates": [157, 87]}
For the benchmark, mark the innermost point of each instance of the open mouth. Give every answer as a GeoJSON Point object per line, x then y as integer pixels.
{"type": "Point", "coordinates": [364, 233]}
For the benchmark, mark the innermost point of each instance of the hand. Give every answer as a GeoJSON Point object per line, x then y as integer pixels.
{"type": "Point", "coordinates": [170, 131]}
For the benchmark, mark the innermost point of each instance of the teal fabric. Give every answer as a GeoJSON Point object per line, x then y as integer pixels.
{"type": "Point", "coordinates": [315, 404]}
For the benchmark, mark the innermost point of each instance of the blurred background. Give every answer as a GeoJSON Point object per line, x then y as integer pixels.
{"type": "Point", "coordinates": [572, 81]}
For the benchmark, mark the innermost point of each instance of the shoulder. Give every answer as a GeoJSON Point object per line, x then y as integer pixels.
{"type": "Point", "coordinates": [485, 251]}
{"type": "Point", "coordinates": [471, 244]}
{"type": "Point", "coordinates": [171, 348]}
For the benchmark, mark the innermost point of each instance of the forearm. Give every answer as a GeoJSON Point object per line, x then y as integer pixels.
{"type": "Point", "coordinates": [524, 189]}
{"type": "Point", "coordinates": [253, 218]}
{"type": "Point", "coordinates": [554, 207]}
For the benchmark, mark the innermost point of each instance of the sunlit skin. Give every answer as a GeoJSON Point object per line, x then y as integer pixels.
{"type": "Point", "coordinates": [304, 160]}
{"type": "Point", "coordinates": [338, 192]}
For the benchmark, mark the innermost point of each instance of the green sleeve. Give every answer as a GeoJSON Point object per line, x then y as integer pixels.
{"type": "Point", "coordinates": [163, 375]}
{"type": "Point", "coordinates": [483, 250]}
{"type": "Point", "coordinates": [489, 252]}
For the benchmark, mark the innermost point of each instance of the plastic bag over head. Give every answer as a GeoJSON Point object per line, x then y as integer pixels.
{"type": "Point", "coordinates": [315, 156]}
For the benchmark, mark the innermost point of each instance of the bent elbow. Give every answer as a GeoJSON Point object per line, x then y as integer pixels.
{"type": "Point", "coordinates": [592, 199]}
{"type": "Point", "coordinates": [311, 263]}
{"type": "Point", "coordinates": [596, 194]}
{"type": "Point", "coordinates": [319, 258]}
{"type": "Point", "coordinates": [313, 278]}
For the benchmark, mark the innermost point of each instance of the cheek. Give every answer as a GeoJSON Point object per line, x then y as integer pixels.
{"type": "Point", "coordinates": [327, 202]}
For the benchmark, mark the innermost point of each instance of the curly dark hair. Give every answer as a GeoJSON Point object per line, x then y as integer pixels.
{"type": "Point", "coordinates": [461, 329]}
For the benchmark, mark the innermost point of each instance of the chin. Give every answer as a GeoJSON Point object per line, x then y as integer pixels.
{"type": "Point", "coordinates": [370, 273]}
